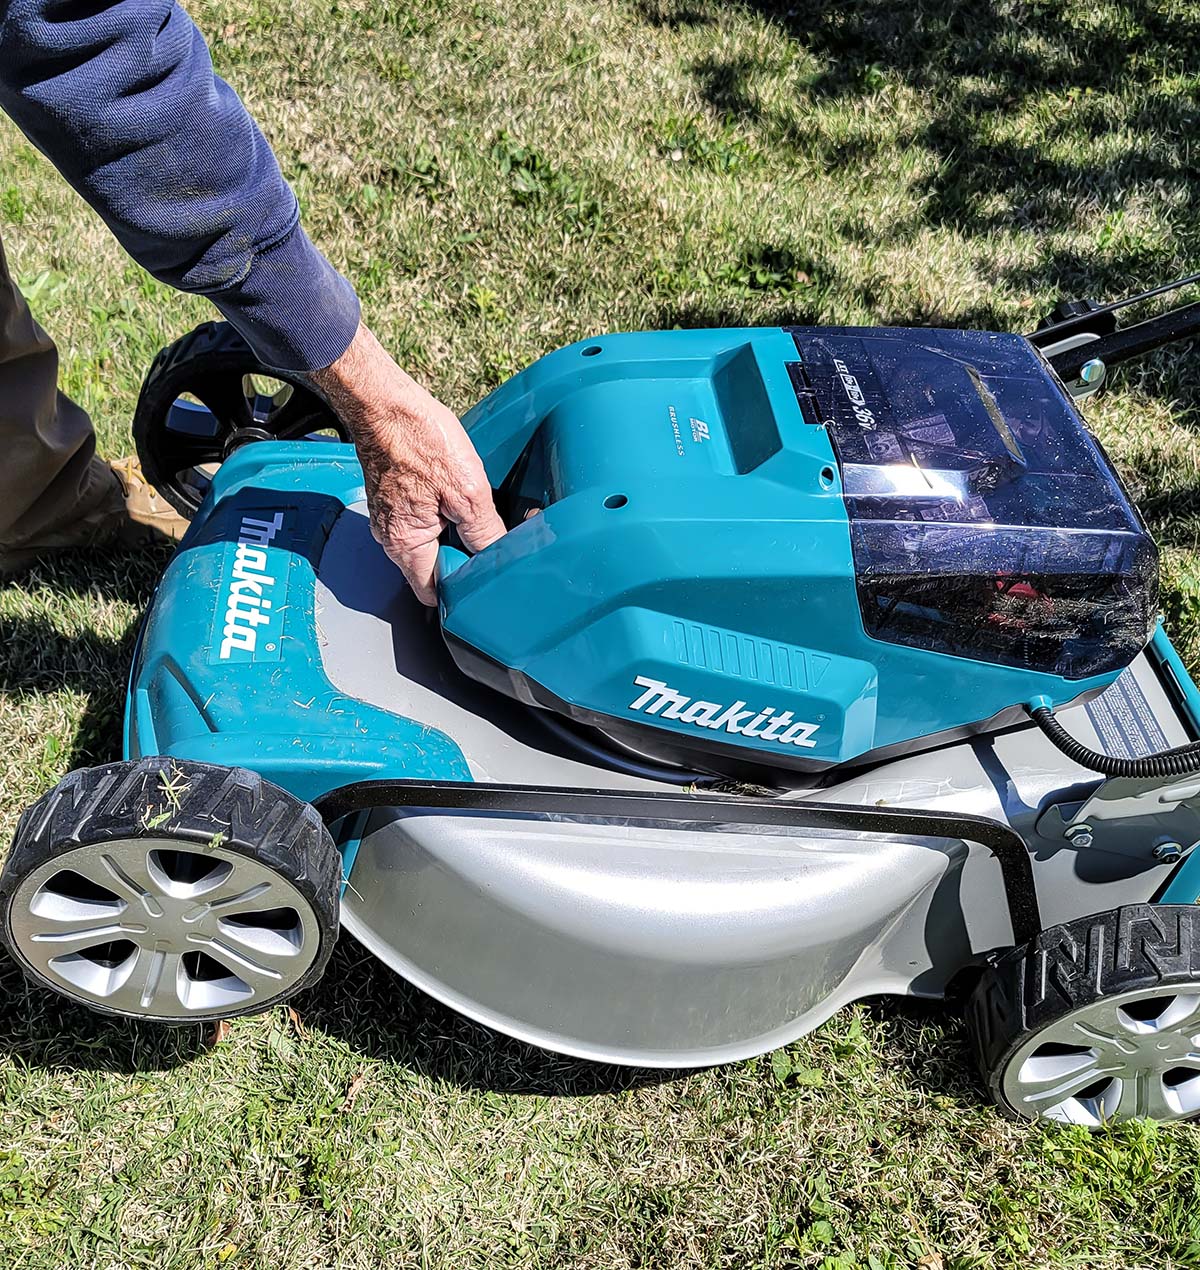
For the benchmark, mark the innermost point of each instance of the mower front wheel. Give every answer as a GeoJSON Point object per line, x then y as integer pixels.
{"type": "Point", "coordinates": [1097, 1020]}
{"type": "Point", "coordinates": [171, 891]}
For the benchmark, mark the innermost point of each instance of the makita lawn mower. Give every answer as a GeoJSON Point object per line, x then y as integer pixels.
{"type": "Point", "coordinates": [818, 663]}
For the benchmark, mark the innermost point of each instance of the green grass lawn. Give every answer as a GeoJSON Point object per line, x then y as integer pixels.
{"type": "Point", "coordinates": [500, 179]}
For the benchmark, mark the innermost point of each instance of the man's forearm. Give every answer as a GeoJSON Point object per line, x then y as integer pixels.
{"type": "Point", "coordinates": [122, 98]}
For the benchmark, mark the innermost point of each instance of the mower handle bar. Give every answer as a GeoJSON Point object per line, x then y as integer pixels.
{"type": "Point", "coordinates": [1113, 345]}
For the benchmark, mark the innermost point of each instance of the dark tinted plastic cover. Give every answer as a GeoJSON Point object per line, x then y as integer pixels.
{"type": "Point", "coordinates": [985, 519]}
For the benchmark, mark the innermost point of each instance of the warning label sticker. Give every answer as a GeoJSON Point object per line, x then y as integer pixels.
{"type": "Point", "coordinates": [1124, 721]}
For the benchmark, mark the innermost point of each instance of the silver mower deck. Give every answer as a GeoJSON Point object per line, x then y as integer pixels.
{"type": "Point", "coordinates": [680, 943]}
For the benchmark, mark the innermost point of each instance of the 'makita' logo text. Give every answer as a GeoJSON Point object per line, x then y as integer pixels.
{"type": "Point", "coordinates": [765, 725]}
{"type": "Point", "coordinates": [250, 597]}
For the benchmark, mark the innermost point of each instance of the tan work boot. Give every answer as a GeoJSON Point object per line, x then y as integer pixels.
{"type": "Point", "coordinates": [132, 514]}
{"type": "Point", "coordinates": [148, 517]}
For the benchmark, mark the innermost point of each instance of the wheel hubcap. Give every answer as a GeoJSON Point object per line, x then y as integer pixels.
{"type": "Point", "coordinates": [156, 928]}
{"type": "Point", "coordinates": [215, 407]}
{"type": "Point", "coordinates": [1131, 1055]}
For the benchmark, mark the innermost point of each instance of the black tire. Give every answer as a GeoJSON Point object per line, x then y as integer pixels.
{"type": "Point", "coordinates": [217, 815]}
{"type": "Point", "coordinates": [1122, 962]}
{"type": "Point", "coordinates": [209, 363]}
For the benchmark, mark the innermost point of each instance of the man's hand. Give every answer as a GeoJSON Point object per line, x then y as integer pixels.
{"type": "Point", "coordinates": [421, 471]}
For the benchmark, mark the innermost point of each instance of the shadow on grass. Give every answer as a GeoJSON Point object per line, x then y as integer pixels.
{"type": "Point", "coordinates": [927, 1041]}
{"type": "Point", "coordinates": [802, 310]}
{"type": "Point", "coordinates": [359, 1002]}
{"type": "Point", "coordinates": [38, 655]}
{"type": "Point", "coordinates": [978, 67]}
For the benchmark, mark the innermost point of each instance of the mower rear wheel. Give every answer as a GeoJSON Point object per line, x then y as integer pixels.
{"type": "Point", "coordinates": [204, 396]}
{"type": "Point", "coordinates": [1096, 1021]}
{"type": "Point", "coordinates": [171, 891]}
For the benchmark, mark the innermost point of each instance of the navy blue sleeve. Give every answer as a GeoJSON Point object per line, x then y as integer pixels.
{"type": "Point", "coordinates": [120, 95]}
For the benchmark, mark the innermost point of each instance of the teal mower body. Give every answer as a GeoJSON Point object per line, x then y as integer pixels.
{"type": "Point", "coordinates": [817, 663]}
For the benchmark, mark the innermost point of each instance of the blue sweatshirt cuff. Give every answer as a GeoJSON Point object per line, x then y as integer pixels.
{"type": "Point", "coordinates": [291, 306]}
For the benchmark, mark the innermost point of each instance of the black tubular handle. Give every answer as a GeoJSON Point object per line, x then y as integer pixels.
{"type": "Point", "coordinates": [1129, 342]}
{"type": "Point", "coordinates": [1085, 318]}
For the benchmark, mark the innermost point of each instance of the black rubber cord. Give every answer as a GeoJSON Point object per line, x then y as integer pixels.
{"type": "Point", "coordinates": [1176, 762]}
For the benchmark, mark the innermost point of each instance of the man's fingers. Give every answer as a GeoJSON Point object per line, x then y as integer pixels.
{"type": "Point", "coordinates": [419, 566]}
{"type": "Point", "coordinates": [469, 503]}
{"type": "Point", "coordinates": [419, 563]}
{"type": "Point", "coordinates": [481, 528]}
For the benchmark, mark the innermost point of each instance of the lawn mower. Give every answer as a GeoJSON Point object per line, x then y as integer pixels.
{"type": "Point", "coordinates": [818, 663]}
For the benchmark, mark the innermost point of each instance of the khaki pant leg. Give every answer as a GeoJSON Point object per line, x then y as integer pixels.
{"type": "Point", "coordinates": [49, 479]}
